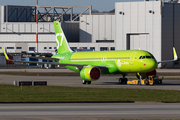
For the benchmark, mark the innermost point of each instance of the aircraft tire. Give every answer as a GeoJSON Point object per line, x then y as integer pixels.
{"type": "Point", "coordinates": [83, 82]}
{"type": "Point", "coordinates": [121, 80]}
{"type": "Point", "coordinates": [88, 82]}
{"type": "Point", "coordinates": [125, 80]}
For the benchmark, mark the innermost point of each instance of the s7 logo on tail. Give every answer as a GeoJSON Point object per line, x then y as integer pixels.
{"type": "Point", "coordinates": [62, 37]}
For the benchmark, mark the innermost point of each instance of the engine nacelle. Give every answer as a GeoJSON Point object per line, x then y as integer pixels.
{"type": "Point", "coordinates": [90, 73]}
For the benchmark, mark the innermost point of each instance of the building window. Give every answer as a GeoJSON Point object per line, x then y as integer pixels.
{"type": "Point", "coordinates": [82, 47]}
{"type": "Point", "coordinates": [105, 41]}
{"type": "Point", "coordinates": [55, 48]}
{"type": "Point", "coordinates": [50, 47]}
{"type": "Point", "coordinates": [32, 48]}
{"type": "Point", "coordinates": [92, 48]}
{"type": "Point", "coordinates": [73, 48]}
{"type": "Point", "coordinates": [103, 48]}
{"type": "Point", "coordinates": [112, 48]}
{"type": "Point", "coordinates": [45, 47]}
{"type": "Point", "coordinates": [10, 47]}
{"type": "Point", "coordinates": [18, 47]}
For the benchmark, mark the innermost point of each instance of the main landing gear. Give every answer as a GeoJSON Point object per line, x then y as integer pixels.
{"type": "Point", "coordinates": [86, 82]}
{"type": "Point", "coordinates": [123, 80]}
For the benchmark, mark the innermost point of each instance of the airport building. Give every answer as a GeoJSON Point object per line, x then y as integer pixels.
{"type": "Point", "coordinates": [147, 25]}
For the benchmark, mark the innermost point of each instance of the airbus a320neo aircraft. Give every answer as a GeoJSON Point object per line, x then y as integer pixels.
{"type": "Point", "coordinates": [91, 64]}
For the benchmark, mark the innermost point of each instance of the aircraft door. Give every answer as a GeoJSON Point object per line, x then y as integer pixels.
{"type": "Point", "coordinates": [132, 58]}
{"type": "Point", "coordinates": [103, 60]}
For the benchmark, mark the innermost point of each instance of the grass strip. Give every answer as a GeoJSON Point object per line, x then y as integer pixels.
{"type": "Point", "coordinates": [10, 93]}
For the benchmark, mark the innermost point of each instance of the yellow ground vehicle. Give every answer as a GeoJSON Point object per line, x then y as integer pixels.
{"type": "Point", "coordinates": [151, 80]}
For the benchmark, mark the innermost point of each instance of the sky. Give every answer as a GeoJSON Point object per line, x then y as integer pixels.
{"type": "Point", "coordinates": [100, 5]}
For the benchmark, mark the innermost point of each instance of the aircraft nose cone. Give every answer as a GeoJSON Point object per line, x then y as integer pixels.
{"type": "Point", "coordinates": [150, 65]}
{"type": "Point", "coordinates": [153, 64]}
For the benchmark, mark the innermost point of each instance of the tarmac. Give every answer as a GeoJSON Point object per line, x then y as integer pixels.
{"type": "Point", "coordinates": [66, 70]}
{"type": "Point", "coordinates": [88, 111]}
{"type": "Point", "coordinates": [76, 81]}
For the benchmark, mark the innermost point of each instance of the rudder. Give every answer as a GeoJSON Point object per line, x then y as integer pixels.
{"type": "Point", "coordinates": [61, 41]}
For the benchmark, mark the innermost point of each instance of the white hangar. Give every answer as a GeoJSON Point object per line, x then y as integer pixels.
{"type": "Point", "coordinates": [148, 25]}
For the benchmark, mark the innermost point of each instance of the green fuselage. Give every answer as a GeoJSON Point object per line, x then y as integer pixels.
{"type": "Point", "coordinates": [125, 61]}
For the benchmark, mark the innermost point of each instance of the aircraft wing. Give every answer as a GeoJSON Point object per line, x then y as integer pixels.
{"type": "Point", "coordinates": [44, 58]}
{"type": "Point", "coordinates": [175, 57]}
{"type": "Point", "coordinates": [79, 66]}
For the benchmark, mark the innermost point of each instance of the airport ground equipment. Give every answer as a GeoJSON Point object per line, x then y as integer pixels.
{"type": "Point", "coordinates": [151, 80]}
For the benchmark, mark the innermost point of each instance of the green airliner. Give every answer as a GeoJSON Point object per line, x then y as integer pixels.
{"type": "Point", "coordinates": [91, 64]}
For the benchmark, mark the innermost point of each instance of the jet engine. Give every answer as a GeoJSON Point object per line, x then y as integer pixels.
{"type": "Point", "coordinates": [90, 73]}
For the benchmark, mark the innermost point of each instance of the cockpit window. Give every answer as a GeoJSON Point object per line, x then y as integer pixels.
{"type": "Point", "coordinates": [149, 57]}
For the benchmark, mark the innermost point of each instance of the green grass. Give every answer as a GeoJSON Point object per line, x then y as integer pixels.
{"type": "Point", "coordinates": [10, 93]}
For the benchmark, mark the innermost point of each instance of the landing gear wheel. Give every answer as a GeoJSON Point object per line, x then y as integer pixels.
{"type": "Point", "coordinates": [88, 82]}
{"type": "Point", "coordinates": [83, 82]}
{"type": "Point", "coordinates": [123, 80]}
{"type": "Point", "coordinates": [160, 82]}
{"type": "Point", "coordinates": [120, 80]}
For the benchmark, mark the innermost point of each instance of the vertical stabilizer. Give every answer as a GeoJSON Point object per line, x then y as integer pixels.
{"type": "Point", "coordinates": [61, 41]}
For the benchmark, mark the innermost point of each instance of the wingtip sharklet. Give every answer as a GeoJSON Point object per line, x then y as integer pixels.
{"type": "Point", "coordinates": [175, 54]}
{"type": "Point", "coordinates": [6, 56]}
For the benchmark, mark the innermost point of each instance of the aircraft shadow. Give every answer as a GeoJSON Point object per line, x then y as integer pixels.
{"type": "Point", "coordinates": [110, 83]}
{"type": "Point", "coordinates": [167, 84]}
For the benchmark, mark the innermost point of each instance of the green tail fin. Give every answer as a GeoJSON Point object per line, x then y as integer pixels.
{"type": "Point", "coordinates": [61, 42]}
